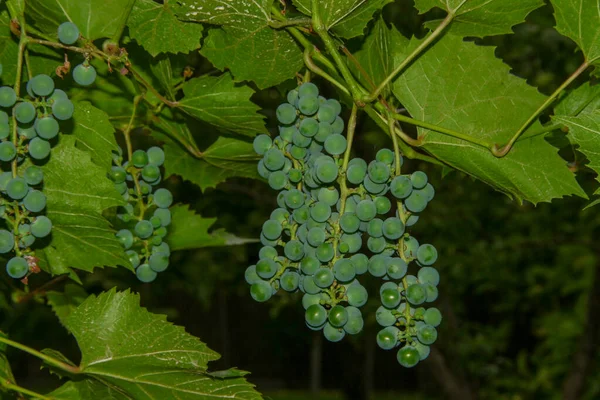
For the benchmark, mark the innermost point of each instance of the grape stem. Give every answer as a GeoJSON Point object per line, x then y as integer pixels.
{"type": "Point", "coordinates": [134, 174]}
{"type": "Point", "coordinates": [310, 64]}
{"type": "Point", "coordinates": [44, 357]}
{"type": "Point", "coordinates": [19, 389]}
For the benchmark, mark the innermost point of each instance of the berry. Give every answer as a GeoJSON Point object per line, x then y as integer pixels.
{"type": "Point", "coordinates": [84, 75]}
{"type": "Point", "coordinates": [33, 175]}
{"type": "Point", "coordinates": [41, 226]}
{"type": "Point", "coordinates": [46, 127]}
{"type": "Point", "coordinates": [8, 97]}
{"type": "Point", "coordinates": [7, 241]}
{"type": "Point", "coordinates": [62, 108]}
{"type": "Point", "coordinates": [145, 274]}
{"type": "Point", "coordinates": [17, 267]}
{"type": "Point", "coordinates": [163, 198]}
{"type": "Point", "coordinates": [8, 151]}
{"type": "Point", "coordinates": [35, 201]}
{"type": "Point", "coordinates": [143, 229]}
{"type": "Point", "coordinates": [17, 188]}
{"type": "Point", "coordinates": [25, 112]}
{"type": "Point", "coordinates": [408, 356]}
{"type": "Point", "coordinates": [315, 315]}
{"type": "Point", "coordinates": [42, 85]}
{"type": "Point", "coordinates": [68, 33]}
{"type": "Point", "coordinates": [286, 114]}
{"type": "Point", "coordinates": [39, 148]}
{"type": "Point", "coordinates": [159, 261]}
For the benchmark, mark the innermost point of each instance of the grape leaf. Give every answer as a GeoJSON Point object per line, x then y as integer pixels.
{"type": "Point", "coordinates": [579, 20]}
{"type": "Point", "coordinates": [463, 99]}
{"type": "Point", "coordinates": [158, 30]}
{"type": "Point", "coordinates": [86, 389]}
{"type": "Point", "coordinates": [189, 230]}
{"type": "Point", "coordinates": [347, 18]}
{"type": "Point", "coordinates": [167, 70]}
{"type": "Point", "coordinates": [95, 19]}
{"type": "Point", "coordinates": [6, 374]}
{"type": "Point", "coordinates": [220, 102]}
{"type": "Point", "coordinates": [483, 17]}
{"type": "Point", "coordinates": [63, 303]}
{"type": "Point", "coordinates": [142, 356]}
{"type": "Point", "coordinates": [94, 133]}
{"type": "Point", "coordinates": [226, 158]}
{"type": "Point", "coordinates": [77, 192]}
{"type": "Point", "coordinates": [584, 99]}
{"type": "Point", "coordinates": [245, 44]}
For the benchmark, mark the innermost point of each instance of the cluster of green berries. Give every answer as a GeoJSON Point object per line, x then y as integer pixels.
{"type": "Point", "coordinates": [146, 215]}
{"type": "Point", "coordinates": [313, 242]}
{"type": "Point", "coordinates": [84, 74]}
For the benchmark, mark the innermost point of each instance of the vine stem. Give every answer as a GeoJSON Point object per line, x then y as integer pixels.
{"type": "Point", "coordinates": [314, 68]}
{"type": "Point", "coordinates": [127, 135]}
{"type": "Point", "coordinates": [501, 151]}
{"type": "Point", "coordinates": [290, 22]}
{"type": "Point", "coordinates": [76, 49]}
{"type": "Point", "coordinates": [19, 389]}
{"type": "Point", "coordinates": [151, 88]}
{"type": "Point", "coordinates": [49, 360]}
{"type": "Point", "coordinates": [410, 58]}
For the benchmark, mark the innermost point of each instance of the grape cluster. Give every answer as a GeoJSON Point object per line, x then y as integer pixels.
{"type": "Point", "coordinates": [84, 74]}
{"type": "Point", "coordinates": [146, 215]}
{"type": "Point", "coordinates": [313, 241]}
{"type": "Point", "coordinates": [27, 127]}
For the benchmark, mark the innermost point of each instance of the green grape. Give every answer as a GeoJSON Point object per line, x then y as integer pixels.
{"type": "Point", "coordinates": [316, 236]}
{"type": "Point", "coordinates": [427, 254]}
{"type": "Point", "coordinates": [410, 247]}
{"type": "Point", "coordinates": [68, 33]}
{"type": "Point", "coordinates": [390, 298]}
{"type": "Point", "coordinates": [294, 250]}
{"type": "Point", "coordinates": [433, 317]}
{"type": "Point", "coordinates": [326, 113]}
{"type": "Point", "coordinates": [8, 151]}
{"type": "Point", "coordinates": [378, 265]}
{"type": "Point", "coordinates": [156, 156]}
{"type": "Point", "coordinates": [310, 265]}
{"type": "Point", "coordinates": [261, 291]}
{"type": "Point", "coordinates": [357, 295]}
{"type": "Point", "coordinates": [299, 140]}
{"type": "Point", "coordinates": [268, 252]}
{"type": "Point", "coordinates": [117, 174]}
{"type": "Point", "coordinates": [4, 129]}
{"type": "Point", "coordinates": [374, 188]}
{"type": "Point", "coordinates": [3, 117]}
{"type": "Point", "coordinates": [329, 196]}
{"type": "Point", "coordinates": [323, 277]}
{"type": "Point", "coordinates": [320, 211]}
{"type": "Point", "coordinates": [286, 133]}
{"type": "Point", "coordinates": [46, 127]}
{"type": "Point", "coordinates": [17, 267]}
{"type": "Point", "coordinates": [382, 204]}
{"type": "Point", "coordinates": [401, 187]}
{"type": "Point", "coordinates": [416, 294]}
{"type": "Point", "coordinates": [429, 275]}
{"type": "Point", "coordinates": [308, 105]}
{"type": "Point", "coordinates": [323, 132]}
{"type": "Point", "coordinates": [356, 173]}
{"type": "Point", "coordinates": [353, 241]}
{"type": "Point", "coordinates": [393, 228]}
{"type": "Point", "coordinates": [272, 229]}
{"type": "Point", "coordinates": [344, 270]}
{"type": "Point", "coordinates": [349, 222]}
{"type": "Point", "coordinates": [315, 315]}
{"type": "Point", "coordinates": [133, 257]}
{"type": "Point", "coordinates": [286, 113]}
{"type": "Point", "coordinates": [41, 226]}
{"type": "Point", "coordinates": [159, 261]}
{"type": "Point", "coordinates": [125, 237]}
{"type": "Point", "coordinates": [274, 159]}
{"type": "Point", "coordinates": [251, 276]}
{"type": "Point", "coordinates": [432, 292]}
{"type": "Point", "coordinates": [427, 334]}
{"type": "Point", "coordinates": [42, 85]}
{"type": "Point", "coordinates": [7, 241]}
{"type": "Point", "coordinates": [378, 172]}
{"type": "Point", "coordinates": [335, 144]}
{"type": "Point", "coordinates": [35, 201]}
{"type": "Point", "coordinates": [335, 106]}
{"type": "Point", "coordinates": [375, 228]}
{"type": "Point", "coordinates": [428, 192]}
{"type": "Point", "coordinates": [121, 188]}
{"type": "Point", "coordinates": [423, 350]}
{"type": "Point", "coordinates": [294, 199]}
{"type": "Point", "coordinates": [262, 170]}
{"type": "Point", "coordinates": [376, 245]}
{"type": "Point", "coordinates": [17, 188]}
{"type": "Point", "coordinates": [289, 281]}
{"type": "Point", "coordinates": [396, 268]}
{"type": "Point", "coordinates": [338, 316]}
{"type": "Point", "coordinates": [280, 214]}
{"type": "Point", "coordinates": [299, 153]}
{"type": "Point", "coordinates": [8, 97]}
{"type": "Point", "coordinates": [24, 112]}
{"type": "Point", "coordinates": [294, 175]}
{"type": "Point", "coordinates": [84, 74]}
{"type": "Point", "coordinates": [261, 144]}
{"type": "Point", "coordinates": [310, 299]}
{"type": "Point", "coordinates": [143, 229]}
{"type": "Point", "coordinates": [309, 285]}
{"type": "Point", "coordinates": [355, 323]}
{"type": "Point", "coordinates": [385, 317]}
{"type": "Point", "coordinates": [327, 171]}
{"type": "Point", "coordinates": [418, 179]}
{"type": "Point", "coordinates": [309, 127]}
{"type": "Point", "coordinates": [324, 252]}
{"type": "Point", "coordinates": [62, 108]}
{"type": "Point", "coordinates": [411, 280]}
{"type": "Point", "coordinates": [361, 263]}
{"type": "Point", "coordinates": [366, 210]}
{"type": "Point", "coordinates": [292, 97]}
{"type": "Point", "coordinates": [301, 215]}
{"type": "Point", "coordinates": [385, 156]}
{"type": "Point", "coordinates": [278, 180]}
{"type": "Point", "coordinates": [57, 95]}
{"type": "Point", "coordinates": [416, 202]}
{"type": "Point", "coordinates": [145, 274]}
{"type": "Point", "coordinates": [266, 268]}
{"type": "Point", "coordinates": [139, 158]}
{"type": "Point", "coordinates": [163, 198]}
{"type": "Point", "coordinates": [337, 127]}
{"type": "Point", "coordinates": [150, 173]}
{"type": "Point", "coordinates": [408, 356]}
{"type": "Point", "coordinates": [412, 219]}
{"type": "Point", "coordinates": [387, 338]}
{"type": "Point", "coordinates": [308, 89]}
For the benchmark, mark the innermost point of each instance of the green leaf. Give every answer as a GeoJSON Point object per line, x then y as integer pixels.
{"type": "Point", "coordinates": [189, 230]}
{"type": "Point", "coordinates": [158, 30]}
{"type": "Point", "coordinates": [94, 133]}
{"type": "Point", "coordinates": [167, 71]}
{"type": "Point", "coordinates": [483, 17]}
{"type": "Point", "coordinates": [583, 100]}
{"type": "Point", "coordinates": [87, 389]}
{"type": "Point", "coordinates": [6, 374]}
{"type": "Point", "coordinates": [347, 18]}
{"type": "Point", "coordinates": [464, 99]}
{"type": "Point", "coordinates": [220, 102]}
{"type": "Point", "coordinates": [226, 158]}
{"type": "Point", "coordinates": [245, 44]}
{"type": "Point", "coordinates": [65, 302]}
{"type": "Point", "coordinates": [579, 21]}
{"type": "Point", "coordinates": [142, 356]}
{"type": "Point", "coordinates": [95, 19]}
{"type": "Point", "coordinates": [77, 192]}
{"type": "Point", "coordinates": [584, 130]}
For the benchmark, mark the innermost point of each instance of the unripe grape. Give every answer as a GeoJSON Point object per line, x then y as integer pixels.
{"type": "Point", "coordinates": [8, 151]}
{"type": "Point", "coordinates": [433, 317]}
{"type": "Point", "coordinates": [42, 85]}
{"type": "Point", "coordinates": [427, 334]}
{"type": "Point", "coordinates": [84, 74]}
{"type": "Point", "coordinates": [408, 356]}
{"type": "Point", "coordinates": [24, 112]}
{"type": "Point", "coordinates": [46, 127]}
{"type": "Point", "coordinates": [68, 33]}
{"type": "Point", "coordinates": [145, 274]}
{"type": "Point", "coordinates": [387, 338]}
{"type": "Point", "coordinates": [338, 316]}
{"type": "Point", "coordinates": [261, 144]}
{"type": "Point", "coordinates": [39, 148]}
{"type": "Point", "coordinates": [35, 201]}
{"type": "Point", "coordinates": [426, 254]}
{"type": "Point", "coordinates": [8, 97]}
{"type": "Point", "coordinates": [143, 229]}
{"type": "Point", "coordinates": [17, 188]}
{"type": "Point", "coordinates": [385, 317]}
{"type": "Point", "coordinates": [159, 261]}
{"type": "Point", "coordinates": [315, 315]}
{"type": "Point", "coordinates": [7, 241]}
{"type": "Point", "coordinates": [41, 226]}
{"type": "Point", "coordinates": [17, 267]}
{"type": "Point", "coordinates": [163, 198]}
{"type": "Point", "coordinates": [286, 113]}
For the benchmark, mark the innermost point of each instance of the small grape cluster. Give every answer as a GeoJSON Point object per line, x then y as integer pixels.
{"type": "Point", "coordinates": [84, 74]}
{"type": "Point", "coordinates": [146, 214]}
{"type": "Point", "coordinates": [327, 207]}
{"type": "Point", "coordinates": [27, 127]}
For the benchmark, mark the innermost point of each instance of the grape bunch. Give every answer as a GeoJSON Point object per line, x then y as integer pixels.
{"type": "Point", "coordinates": [328, 208]}
{"type": "Point", "coordinates": [27, 127]}
{"type": "Point", "coordinates": [146, 215]}
{"type": "Point", "coordinates": [84, 74]}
